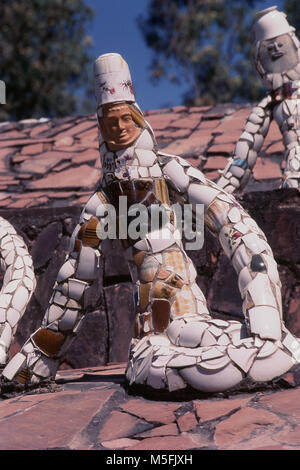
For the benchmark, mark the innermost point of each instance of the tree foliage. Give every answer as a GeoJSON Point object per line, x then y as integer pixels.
{"type": "Point", "coordinates": [292, 10]}
{"type": "Point", "coordinates": [44, 56]}
{"type": "Point", "coordinates": [205, 44]}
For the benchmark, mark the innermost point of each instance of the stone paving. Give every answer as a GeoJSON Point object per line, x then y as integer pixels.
{"type": "Point", "coordinates": [55, 162]}
{"type": "Point", "coordinates": [91, 410]}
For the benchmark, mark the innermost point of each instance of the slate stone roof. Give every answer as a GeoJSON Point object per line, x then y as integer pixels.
{"type": "Point", "coordinates": [55, 162]}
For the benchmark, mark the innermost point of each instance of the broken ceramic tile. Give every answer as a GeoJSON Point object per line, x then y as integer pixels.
{"type": "Point", "coordinates": [155, 171]}
{"type": "Point", "coordinates": [234, 215]}
{"type": "Point", "coordinates": [2, 315]}
{"type": "Point", "coordinates": [242, 228]}
{"type": "Point", "coordinates": [267, 368]}
{"type": "Point", "coordinates": [208, 339]}
{"type": "Point", "coordinates": [195, 173]}
{"type": "Point", "coordinates": [223, 340]}
{"type": "Point", "coordinates": [143, 369]}
{"type": "Point", "coordinates": [11, 287]}
{"type": "Point", "coordinates": [54, 313]}
{"type": "Point", "coordinates": [181, 361]}
{"type": "Point", "coordinates": [175, 382]}
{"type": "Point", "coordinates": [159, 340]}
{"type": "Point", "coordinates": [191, 334]}
{"type": "Point", "coordinates": [68, 320]}
{"type": "Point", "coordinates": [45, 367]}
{"type": "Point", "coordinates": [244, 279]}
{"type": "Point", "coordinates": [200, 194]}
{"type": "Point", "coordinates": [204, 380]}
{"type": "Point", "coordinates": [160, 361]}
{"type": "Point", "coordinates": [76, 288]}
{"type": "Point", "coordinates": [174, 171]}
{"type": "Point", "coordinates": [145, 157]}
{"type": "Point", "coordinates": [271, 268]}
{"type": "Point", "coordinates": [254, 243]}
{"type": "Point", "coordinates": [67, 270]}
{"type": "Point", "coordinates": [174, 329]}
{"type": "Point", "coordinates": [215, 330]}
{"type": "Point", "coordinates": [265, 321]}
{"type": "Point", "coordinates": [214, 364]}
{"type": "Point", "coordinates": [87, 264]}
{"type": "Point", "coordinates": [14, 365]}
{"type": "Point", "coordinates": [20, 298]}
{"type": "Point", "coordinates": [13, 316]}
{"type": "Point", "coordinates": [6, 335]}
{"type": "Point", "coordinates": [28, 348]}
{"type": "Point", "coordinates": [144, 141]}
{"type": "Point", "coordinates": [213, 353]}
{"type": "Point", "coordinates": [260, 291]}
{"type": "Point", "coordinates": [268, 348]}
{"type": "Point", "coordinates": [156, 377]}
{"type": "Point", "coordinates": [242, 356]}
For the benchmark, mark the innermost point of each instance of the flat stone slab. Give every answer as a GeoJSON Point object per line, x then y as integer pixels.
{"type": "Point", "coordinates": [91, 409]}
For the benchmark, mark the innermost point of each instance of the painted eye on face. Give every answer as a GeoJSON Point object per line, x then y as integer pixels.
{"type": "Point", "coordinates": [127, 118]}
{"type": "Point", "coordinates": [273, 47]}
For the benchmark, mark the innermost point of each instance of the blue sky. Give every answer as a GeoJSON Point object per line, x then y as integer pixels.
{"type": "Point", "coordinates": [114, 29]}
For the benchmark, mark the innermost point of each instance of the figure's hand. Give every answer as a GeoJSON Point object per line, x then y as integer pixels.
{"type": "Point", "coordinates": [3, 355]}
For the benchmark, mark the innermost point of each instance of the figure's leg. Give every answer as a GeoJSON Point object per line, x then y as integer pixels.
{"type": "Point", "coordinates": [177, 342]}
{"type": "Point", "coordinates": [292, 169]}
{"type": "Point", "coordinates": [18, 284]}
{"type": "Point", "coordinates": [40, 356]}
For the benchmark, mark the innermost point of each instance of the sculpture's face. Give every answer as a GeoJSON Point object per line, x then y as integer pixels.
{"type": "Point", "coordinates": [278, 55]}
{"type": "Point", "coordinates": [117, 126]}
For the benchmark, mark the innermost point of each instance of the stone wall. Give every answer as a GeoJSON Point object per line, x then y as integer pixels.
{"type": "Point", "coordinates": [108, 325]}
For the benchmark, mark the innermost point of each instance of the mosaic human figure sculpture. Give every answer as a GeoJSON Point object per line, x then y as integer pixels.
{"type": "Point", "coordinates": [176, 341]}
{"type": "Point", "coordinates": [277, 60]}
{"type": "Point", "coordinates": [17, 287]}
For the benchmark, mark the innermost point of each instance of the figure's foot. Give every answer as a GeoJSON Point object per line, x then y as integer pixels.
{"type": "Point", "coordinates": [10, 388]}
{"type": "Point", "coordinates": [13, 388]}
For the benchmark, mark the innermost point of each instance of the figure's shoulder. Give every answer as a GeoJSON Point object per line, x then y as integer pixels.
{"type": "Point", "coordinates": [94, 203]}
{"type": "Point", "coordinates": [165, 158]}
{"type": "Point", "coordinates": [179, 171]}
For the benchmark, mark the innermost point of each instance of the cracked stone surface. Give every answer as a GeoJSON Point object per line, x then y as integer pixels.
{"type": "Point", "coordinates": [92, 410]}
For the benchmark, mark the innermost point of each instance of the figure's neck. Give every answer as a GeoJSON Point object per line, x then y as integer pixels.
{"type": "Point", "coordinates": [287, 91]}
{"type": "Point", "coordinates": [274, 81]}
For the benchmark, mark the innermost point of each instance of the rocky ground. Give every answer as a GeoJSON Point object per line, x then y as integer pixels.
{"type": "Point", "coordinates": [91, 409]}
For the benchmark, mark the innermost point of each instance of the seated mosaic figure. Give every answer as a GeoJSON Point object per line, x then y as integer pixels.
{"type": "Point", "coordinates": [277, 60]}
{"type": "Point", "coordinates": [177, 343]}
{"type": "Point", "coordinates": [17, 287]}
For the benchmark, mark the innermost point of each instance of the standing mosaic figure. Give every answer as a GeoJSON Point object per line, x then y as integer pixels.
{"type": "Point", "coordinates": [17, 287]}
{"type": "Point", "coordinates": [277, 60]}
{"type": "Point", "coordinates": [176, 342]}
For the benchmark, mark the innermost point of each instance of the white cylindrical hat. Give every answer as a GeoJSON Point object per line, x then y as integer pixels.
{"type": "Point", "coordinates": [270, 23]}
{"type": "Point", "coordinates": [112, 80]}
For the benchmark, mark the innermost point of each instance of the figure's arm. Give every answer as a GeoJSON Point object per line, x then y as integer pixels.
{"type": "Point", "coordinates": [39, 358]}
{"type": "Point", "coordinates": [17, 287]}
{"type": "Point", "coordinates": [238, 170]}
{"type": "Point", "coordinates": [242, 241]}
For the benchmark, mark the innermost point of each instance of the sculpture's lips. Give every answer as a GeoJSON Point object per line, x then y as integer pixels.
{"type": "Point", "coordinates": [276, 55]}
